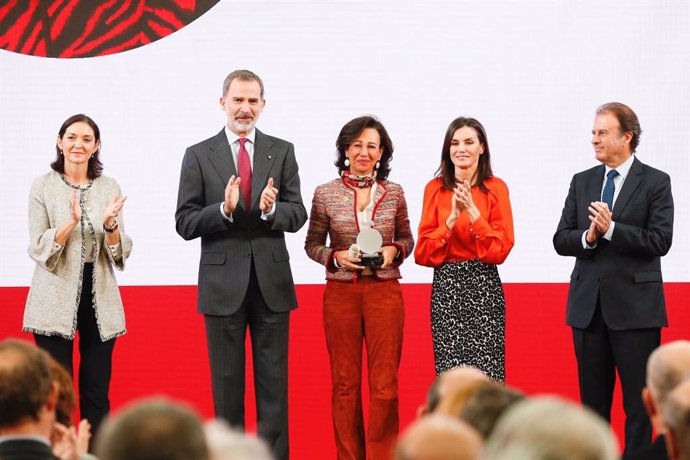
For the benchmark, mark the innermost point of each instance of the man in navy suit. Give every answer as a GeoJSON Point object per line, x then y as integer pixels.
{"type": "Point", "coordinates": [617, 225]}
{"type": "Point", "coordinates": [240, 192]}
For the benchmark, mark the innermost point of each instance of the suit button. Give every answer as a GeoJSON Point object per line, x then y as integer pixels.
{"type": "Point", "coordinates": [249, 254]}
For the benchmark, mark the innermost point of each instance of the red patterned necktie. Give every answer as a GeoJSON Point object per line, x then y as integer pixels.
{"type": "Point", "coordinates": [244, 168]}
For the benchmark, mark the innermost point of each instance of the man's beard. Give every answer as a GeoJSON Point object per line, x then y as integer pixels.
{"type": "Point", "coordinates": [242, 127]}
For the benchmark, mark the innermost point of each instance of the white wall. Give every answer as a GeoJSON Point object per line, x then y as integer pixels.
{"type": "Point", "coordinates": [532, 71]}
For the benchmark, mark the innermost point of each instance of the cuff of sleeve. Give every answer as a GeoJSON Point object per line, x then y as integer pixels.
{"type": "Point", "coordinates": [479, 227]}
{"type": "Point", "coordinates": [442, 234]}
{"type": "Point", "coordinates": [267, 215]}
{"type": "Point", "coordinates": [609, 232]}
{"type": "Point", "coordinates": [401, 253]}
{"type": "Point", "coordinates": [585, 244]}
{"type": "Point", "coordinates": [222, 213]}
{"type": "Point", "coordinates": [116, 250]}
{"type": "Point", "coordinates": [57, 247]}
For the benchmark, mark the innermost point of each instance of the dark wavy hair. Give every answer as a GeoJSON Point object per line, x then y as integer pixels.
{"type": "Point", "coordinates": [351, 131]}
{"type": "Point", "coordinates": [627, 119]}
{"type": "Point", "coordinates": [95, 167]}
{"type": "Point", "coordinates": [446, 170]}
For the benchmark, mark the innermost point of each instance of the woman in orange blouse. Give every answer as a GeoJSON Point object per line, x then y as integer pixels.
{"type": "Point", "coordinates": [465, 232]}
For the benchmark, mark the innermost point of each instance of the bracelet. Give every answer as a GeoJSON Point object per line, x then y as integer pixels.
{"type": "Point", "coordinates": [110, 229]}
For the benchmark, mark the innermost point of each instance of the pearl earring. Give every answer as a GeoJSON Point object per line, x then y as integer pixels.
{"type": "Point", "coordinates": [346, 162]}
{"type": "Point", "coordinates": [376, 166]}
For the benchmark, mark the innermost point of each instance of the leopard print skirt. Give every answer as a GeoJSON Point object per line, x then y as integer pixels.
{"type": "Point", "coordinates": [468, 317]}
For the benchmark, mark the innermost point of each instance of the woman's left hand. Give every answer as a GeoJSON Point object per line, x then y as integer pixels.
{"type": "Point", "coordinates": [113, 210]}
{"type": "Point", "coordinates": [463, 194]}
{"type": "Point", "coordinates": [389, 254]}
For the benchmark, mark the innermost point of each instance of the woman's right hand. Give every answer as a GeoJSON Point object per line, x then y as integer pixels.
{"type": "Point", "coordinates": [74, 208]}
{"type": "Point", "coordinates": [455, 207]}
{"type": "Point", "coordinates": [65, 230]}
{"type": "Point", "coordinates": [345, 260]}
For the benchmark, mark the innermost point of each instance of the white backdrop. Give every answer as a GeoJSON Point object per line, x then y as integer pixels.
{"type": "Point", "coordinates": [532, 71]}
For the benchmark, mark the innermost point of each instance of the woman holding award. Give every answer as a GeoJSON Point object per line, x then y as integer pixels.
{"type": "Point", "coordinates": [364, 217]}
{"type": "Point", "coordinates": [465, 232]}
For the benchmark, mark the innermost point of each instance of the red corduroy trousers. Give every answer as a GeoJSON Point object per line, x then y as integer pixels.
{"type": "Point", "coordinates": [372, 312]}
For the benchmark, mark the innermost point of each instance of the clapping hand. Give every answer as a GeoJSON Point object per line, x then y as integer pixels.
{"type": "Point", "coordinates": [113, 210]}
{"type": "Point", "coordinates": [268, 197]}
{"type": "Point", "coordinates": [232, 195]}
{"type": "Point", "coordinates": [74, 208]}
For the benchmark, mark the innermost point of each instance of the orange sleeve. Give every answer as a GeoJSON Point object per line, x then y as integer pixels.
{"type": "Point", "coordinates": [432, 245]}
{"type": "Point", "coordinates": [493, 230]}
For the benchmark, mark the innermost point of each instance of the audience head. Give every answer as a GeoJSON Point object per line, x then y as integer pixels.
{"type": "Point", "coordinates": [450, 385]}
{"type": "Point", "coordinates": [486, 404]}
{"type": "Point", "coordinates": [27, 394]}
{"type": "Point", "coordinates": [453, 403]}
{"type": "Point", "coordinates": [666, 368]}
{"type": "Point", "coordinates": [438, 437]}
{"type": "Point", "coordinates": [550, 428]}
{"type": "Point", "coordinates": [226, 444]}
{"type": "Point", "coordinates": [153, 429]}
{"type": "Point", "coordinates": [677, 418]}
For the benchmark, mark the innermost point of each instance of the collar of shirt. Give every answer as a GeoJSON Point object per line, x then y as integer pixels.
{"type": "Point", "coordinates": [234, 141]}
{"type": "Point", "coordinates": [623, 169]}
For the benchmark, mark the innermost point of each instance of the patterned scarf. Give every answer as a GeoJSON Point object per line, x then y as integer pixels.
{"type": "Point", "coordinates": [359, 181]}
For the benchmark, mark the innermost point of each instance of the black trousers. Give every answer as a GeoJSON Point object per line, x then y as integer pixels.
{"type": "Point", "coordinates": [600, 351]}
{"type": "Point", "coordinates": [226, 337]}
{"type": "Point", "coordinates": [95, 357]}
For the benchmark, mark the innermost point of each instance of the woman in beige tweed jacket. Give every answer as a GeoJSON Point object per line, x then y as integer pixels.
{"type": "Point", "coordinates": [76, 238]}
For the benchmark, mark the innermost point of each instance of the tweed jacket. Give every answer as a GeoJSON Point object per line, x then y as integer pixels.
{"type": "Point", "coordinates": [334, 215]}
{"type": "Point", "coordinates": [51, 307]}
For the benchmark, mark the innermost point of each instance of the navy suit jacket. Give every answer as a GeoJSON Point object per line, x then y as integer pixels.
{"type": "Point", "coordinates": [623, 274]}
{"type": "Point", "coordinates": [228, 250]}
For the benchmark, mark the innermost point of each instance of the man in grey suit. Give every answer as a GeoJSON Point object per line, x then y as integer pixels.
{"type": "Point", "coordinates": [240, 191]}
{"type": "Point", "coordinates": [617, 222]}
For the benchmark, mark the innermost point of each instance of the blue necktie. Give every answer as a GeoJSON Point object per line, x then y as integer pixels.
{"type": "Point", "coordinates": [609, 189]}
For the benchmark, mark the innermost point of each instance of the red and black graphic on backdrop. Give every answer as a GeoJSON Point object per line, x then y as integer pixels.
{"type": "Point", "coordinates": [87, 28]}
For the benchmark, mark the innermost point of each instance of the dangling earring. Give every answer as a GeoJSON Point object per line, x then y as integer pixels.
{"type": "Point", "coordinates": [346, 162]}
{"type": "Point", "coordinates": [376, 166]}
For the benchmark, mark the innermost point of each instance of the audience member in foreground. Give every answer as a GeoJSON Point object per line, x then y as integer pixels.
{"type": "Point", "coordinates": [677, 418]}
{"type": "Point", "coordinates": [153, 429]}
{"type": "Point", "coordinates": [666, 367]}
{"type": "Point", "coordinates": [438, 437]}
{"type": "Point", "coordinates": [227, 444]}
{"type": "Point", "coordinates": [550, 428]}
{"type": "Point", "coordinates": [484, 407]}
{"type": "Point", "coordinates": [449, 383]}
{"type": "Point", "coordinates": [28, 399]}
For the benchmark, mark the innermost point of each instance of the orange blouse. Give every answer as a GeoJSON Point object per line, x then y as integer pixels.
{"type": "Point", "coordinates": [489, 239]}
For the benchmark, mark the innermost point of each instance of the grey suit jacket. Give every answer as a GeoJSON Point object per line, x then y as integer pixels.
{"type": "Point", "coordinates": [623, 274]}
{"type": "Point", "coordinates": [229, 249]}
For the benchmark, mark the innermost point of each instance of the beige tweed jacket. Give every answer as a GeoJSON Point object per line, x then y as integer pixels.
{"type": "Point", "coordinates": [51, 307]}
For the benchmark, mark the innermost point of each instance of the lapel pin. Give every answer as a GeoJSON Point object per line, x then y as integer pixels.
{"type": "Point", "coordinates": [269, 157]}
